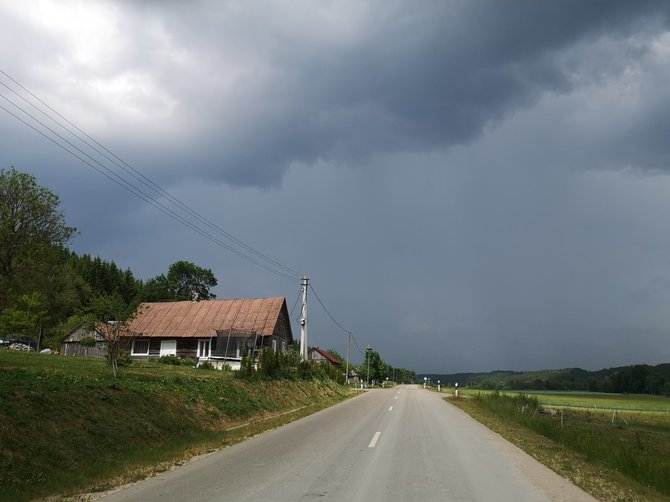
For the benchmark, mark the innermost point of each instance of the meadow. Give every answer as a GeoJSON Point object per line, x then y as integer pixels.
{"type": "Point", "coordinates": [587, 400]}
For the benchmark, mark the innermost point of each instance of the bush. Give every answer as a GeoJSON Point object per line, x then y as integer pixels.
{"type": "Point", "coordinates": [205, 366]}
{"type": "Point", "coordinates": [171, 359]}
{"type": "Point", "coordinates": [286, 365]}
{"type": "Point", "coordinates": [269, 363]}
{"type": "Point", "coordinates": [247, 369]}
{"type": "Point", "coordinates": [124, 360]}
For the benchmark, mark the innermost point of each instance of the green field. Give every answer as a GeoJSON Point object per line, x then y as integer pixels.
{"type": "Point", "coordinates": [67, 425]}
{"type": "Point", "coordinates": [587, 400]}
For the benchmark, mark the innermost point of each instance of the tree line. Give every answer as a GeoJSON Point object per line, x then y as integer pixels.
{"type": "Point", "coordinates": [47, 290]}
{"type": "Point", "coordinates": [633, 379]}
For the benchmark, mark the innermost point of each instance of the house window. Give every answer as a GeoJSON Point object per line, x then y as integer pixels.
{"type": "Point", "coordinates": [283, 345]}
{"type": "Point", "coordinates": [274, 345]}
{"type": "Point", "coordinates": [168, 348]}
{"type": "Point", "coordinates": [203, 348]}
{"type": "Point", "coordinates": [140, 347]}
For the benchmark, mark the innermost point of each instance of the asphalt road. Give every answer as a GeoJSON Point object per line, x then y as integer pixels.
{"type": "Point", "coordinates": [401, 444]}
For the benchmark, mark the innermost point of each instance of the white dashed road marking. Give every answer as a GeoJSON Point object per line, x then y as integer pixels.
{"type": "Point", "coordinates": [375, 438]}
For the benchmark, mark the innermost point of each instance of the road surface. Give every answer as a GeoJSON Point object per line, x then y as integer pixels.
{"type": "Point", "coordinates": [401, 444]}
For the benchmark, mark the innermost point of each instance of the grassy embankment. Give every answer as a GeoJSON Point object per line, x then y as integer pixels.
{"type": "Point", "coordinates": [622, 456]}
{"type": "Point", "coordinates": [66, 425]}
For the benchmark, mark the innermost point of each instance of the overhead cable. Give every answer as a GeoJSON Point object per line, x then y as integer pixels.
{"type": "Point", "coordinates": [246, 252]}
{"type": "Point", "coordinates": [141, 195]}
{"type": "Point", "coordinates": [333, 319]}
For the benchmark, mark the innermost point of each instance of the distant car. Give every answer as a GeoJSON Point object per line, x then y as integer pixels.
{"type": "Point", "coordinates": [4, 343]}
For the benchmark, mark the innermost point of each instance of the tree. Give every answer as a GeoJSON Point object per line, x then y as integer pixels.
{"type": "Point", "coordinates": [188, 281]}
{"type": "Point", "coordinates": [23, 317]}
{"type": "Point", "coordinates": [114, 314]}
{"type": "Point", "coordinates": [157, 290]}
{"type": "Point", "coordinates": [105, 277]}
{"type": "Point", "coordinates": [375, 364]}
{"type": "Point", "coordinates": [184, 281]}
{"type": "Point", "coordinates": [30, 222]}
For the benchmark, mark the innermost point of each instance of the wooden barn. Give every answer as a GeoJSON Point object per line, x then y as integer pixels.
{"type": "Point", "coordinates": [86, 342]}
{"type": "Point", "coordinates": [216, 331]}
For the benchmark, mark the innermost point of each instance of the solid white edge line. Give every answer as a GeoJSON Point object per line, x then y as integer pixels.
{"type": "Point", "coordinates": [375, 438]}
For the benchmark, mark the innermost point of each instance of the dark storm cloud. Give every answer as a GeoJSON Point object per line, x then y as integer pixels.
{"type": "Point", "coordinates": [239, 93]}
{"type": "Point", "coordinates": [413, 77]}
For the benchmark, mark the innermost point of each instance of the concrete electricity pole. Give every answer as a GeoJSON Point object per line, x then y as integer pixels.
{"type": "Point", "coordinates": [346, 378]}
{"type": "Point", "coordinates": [303, 319]}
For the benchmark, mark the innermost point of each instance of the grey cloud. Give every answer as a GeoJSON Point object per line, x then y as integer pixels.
{"type": "Point", "coordinates": [399, 77]}
{"type": "Point", "coordinates": [414, 79]}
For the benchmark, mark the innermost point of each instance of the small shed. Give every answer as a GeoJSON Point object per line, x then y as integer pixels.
{"type": "Point", "coordinates": [321, 356]}
{"type": "Point", "coordinates": [85, 342]}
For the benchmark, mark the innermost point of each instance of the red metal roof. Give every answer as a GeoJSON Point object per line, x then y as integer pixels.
{"type": "Point", "coordinates": [204, 318]}
{"type": "Point", "coordinates": [327, 355]}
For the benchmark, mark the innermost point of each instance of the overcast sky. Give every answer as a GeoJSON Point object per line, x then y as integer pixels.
{"type": "Point", "coordinates": [470, 185]}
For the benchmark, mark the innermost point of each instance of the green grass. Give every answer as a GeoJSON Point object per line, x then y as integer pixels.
{"type": "Point", "coordinates": [587, 400]}
{"type": "Point", "coordinates": [65, 424]}
{"type": "Point", "coordinates": [636, 444]}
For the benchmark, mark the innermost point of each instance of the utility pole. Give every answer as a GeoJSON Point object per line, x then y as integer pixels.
{"type": "Point", "coordinates": [303, 319]}
{"type": "Point", "coordinates": [346, 378]}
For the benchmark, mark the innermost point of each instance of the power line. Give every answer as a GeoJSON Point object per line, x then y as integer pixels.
{"type": "Point", "coordinates": [134, 172]}
{"type": "Point", "coordinates": [141, 195]}
{"type": "Point", "coordinates": [329, 315]}
{"type": "Point", "coordinates": [357, 346]}
{"type": "Point", "coordinates": [348, 332]}
{"type": "Point", "coordinates": [296, 303]}
{"type": "Point", "coordinates": [258, 258]}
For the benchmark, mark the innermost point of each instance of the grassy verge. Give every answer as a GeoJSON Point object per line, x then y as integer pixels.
{"type": "Point", "coordinates": [66, 425]}
{"type": "Point", "coordinates": [625, 460]}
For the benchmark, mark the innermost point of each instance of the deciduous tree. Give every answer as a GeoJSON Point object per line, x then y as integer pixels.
{"type": "Point", "coordinates": [191, 282]}
{"type": "Point", "coordinates": [31, 223]}
{"type": "Point", "coordinates": [184, 281]}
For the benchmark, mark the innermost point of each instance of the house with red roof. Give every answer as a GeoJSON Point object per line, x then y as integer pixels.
{"type": "Point", "coordinates": [321, 356]}
{"type": "Point", "coordinates": [216, 331]}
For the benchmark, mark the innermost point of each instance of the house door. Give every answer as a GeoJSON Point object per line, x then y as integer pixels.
{"type": "Point", "coordinates": [203, 348]}
{"type": "Point", "coordinates": [168, 348]}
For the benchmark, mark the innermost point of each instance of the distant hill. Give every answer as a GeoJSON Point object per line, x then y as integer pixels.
{"type": "Point", "coordinates": [640, 378]}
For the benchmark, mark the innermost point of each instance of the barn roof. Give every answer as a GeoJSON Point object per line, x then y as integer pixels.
{"type": "Point", "coordinates": [326, 355]}
{"type": "Point", "coordinates": [204, 318]}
